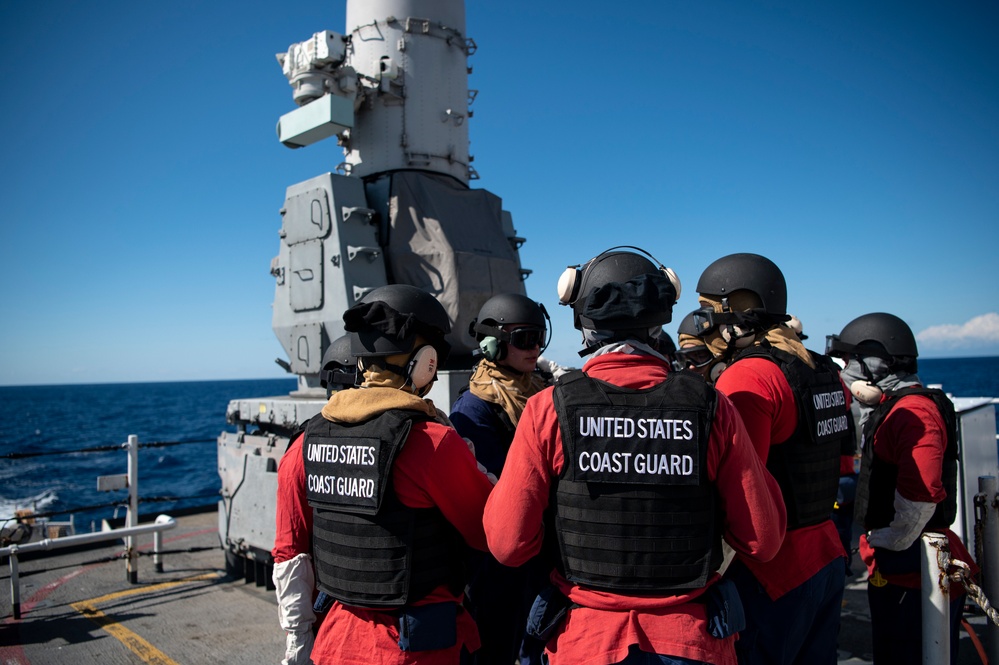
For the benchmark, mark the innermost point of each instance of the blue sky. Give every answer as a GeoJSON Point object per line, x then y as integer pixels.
{"type": "Point", "coordinates": [855, 144]}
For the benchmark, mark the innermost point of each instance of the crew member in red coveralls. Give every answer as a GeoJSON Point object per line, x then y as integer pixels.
{"type": "Point", "coordinates": [639, 473]}
{"type": "Point", "coordinates": [796, 411]}
{"type": "Point", "coordinates": [908, 480]}
{"type": "Point", "coordinates": [294, 577]}
{"type": "Point", "coordinates": [395, 494]}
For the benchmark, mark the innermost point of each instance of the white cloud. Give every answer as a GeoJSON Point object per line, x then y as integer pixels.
{"type": "Point", "coordinates": [982, 329]}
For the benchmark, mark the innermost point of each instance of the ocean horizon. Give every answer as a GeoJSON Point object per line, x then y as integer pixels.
{"type": "Point", "coordinates": [930, 359]}
{"type": "Point", "coordinates": [55, 422]}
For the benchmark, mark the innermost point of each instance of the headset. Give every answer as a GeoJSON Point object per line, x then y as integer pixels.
{"type": "Point", "coordinates": [495, 340]}
{"type": "Point", "coordinates": [716, 371]}
{"type": "Point", "coordinates": [571, 279]}
{"type": "Point", "coordinates": [422, 367]}
{"type": "Point", "coordinates": [866, 392]}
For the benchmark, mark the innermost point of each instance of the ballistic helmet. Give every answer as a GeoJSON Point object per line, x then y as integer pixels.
{"type": "Point", "coordinates": [687, 326]}
{"type": "Point", "coordinates": [504, 309]}
{"type": "Point", "coordinates": [746, 272]}
{"type": "Point", "coordinates": [887, 330]}
{"type": "Point", "coordinates": [619, 291]}
{"type": "Point", "coordinates": [339, 369]}
{"type": "Point", "coordinates": [388, 319]}
{"type": "Point", "coordinates": [507, 308]}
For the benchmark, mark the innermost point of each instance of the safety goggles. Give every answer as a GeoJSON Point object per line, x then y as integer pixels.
{"type": "Point", "coordinates": [525, 339]}
{"type": "Point", "coordinates": [837, 348]}
{"type": "Point", "coordinates": [694, 356]}
{"type": "Point", "coordinates": [706, 320]}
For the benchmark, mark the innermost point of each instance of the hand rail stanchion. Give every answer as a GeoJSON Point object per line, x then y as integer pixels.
{"type": "Point", "coordinates": [15, 583]}
{"type": "Point", "coordinates": [163, 522]}
{"type": "Point", "coordinates": [988, 486]}
{"type": "Point", "coordinates": [132, 514]}
{"type": "Point", "coordinates": [936, 599]}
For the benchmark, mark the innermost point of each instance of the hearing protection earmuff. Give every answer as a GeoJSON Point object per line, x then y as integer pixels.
{"type": "Point", "coordinates": [571, 279]}
{"type": "Point", "coordinates": [866, 392]}
{"type": "Point", "coordinates": [716, 371]}
{"type": "Point", "coordinates": [422, 367]}
{"type": "Point", "coordinates": [492, 348]}
{"type": "Point", "coordinates": [737, 336]}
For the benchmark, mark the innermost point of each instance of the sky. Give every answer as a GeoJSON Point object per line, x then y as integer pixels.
{"type": "Point", "coordinates": [855, 144]}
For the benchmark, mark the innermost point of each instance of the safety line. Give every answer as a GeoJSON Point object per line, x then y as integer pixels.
{"type": "Point", "coordinates": [132, 641]}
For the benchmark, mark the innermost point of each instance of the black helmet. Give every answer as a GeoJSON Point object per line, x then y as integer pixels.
{"type": "Point", "coordinates": [663, 343]}
{"type": "Point", "coordinates": [339, 368]}
{"type": "Point", "coordinates": [504, 309]}
{"type": "Point", "coordinates": [507, 308]}
{"type": "Point", "coordinates": [620, 291]}
{"type": "Point", "coordinates": [687, 326]}
{"type": "Point", "coordinates": [891, 332]}
{"type": "Point", "coordinates": [388, 319]}
{"type": "Point", "coordinates": [746, 272]}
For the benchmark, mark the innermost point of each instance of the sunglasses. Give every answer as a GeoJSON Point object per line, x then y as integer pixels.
{"type": "Point", "coordinates": [525, 339]}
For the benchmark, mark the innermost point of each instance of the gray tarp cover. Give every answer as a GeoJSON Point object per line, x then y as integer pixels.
{"type": "Point", "coordinates": [449, 240]}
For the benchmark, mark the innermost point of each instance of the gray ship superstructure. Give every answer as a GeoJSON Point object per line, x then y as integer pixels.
{"type": "Point", "coordinates": [394, 94]}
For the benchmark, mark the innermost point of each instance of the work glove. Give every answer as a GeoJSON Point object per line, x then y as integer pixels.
{"type": "Point", "coordinates": [471, 447]}
{"type": "Point", "coordinates": [910, 519]}
{"type": "Point", "coordinates": [551, 367]}
{"type": "Point", "coordinates": [294, 582]}
{"type": "Point", "coordinates": [443, 419]}
{"type": "Point", "coordinates": [298, 648]}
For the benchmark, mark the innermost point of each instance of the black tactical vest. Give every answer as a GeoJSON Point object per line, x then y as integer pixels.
{"type": "Point", "coordinates": [806, 466]}
{"type": "Point", "coordinates": [634, 510]}
{"type": "Point", "coordinates": [875, 506]}
{"type": "Point", "coordinates": [371, 550]}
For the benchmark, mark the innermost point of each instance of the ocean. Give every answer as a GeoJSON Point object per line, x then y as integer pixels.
{"type": "Point", "coordinates": [65, 419]}
{"type": "Point", "coordinates": [68, 418]}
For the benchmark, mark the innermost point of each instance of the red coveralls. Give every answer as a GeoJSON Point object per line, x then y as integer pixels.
{"type": "Point", "coordinates": [606, 624]}
{"type": "Point", "coordinates": [913, 438]}
{"type": "Point", "coordinates": [434, 468]}
{"type": "Point", "coordinates": [761, 393]}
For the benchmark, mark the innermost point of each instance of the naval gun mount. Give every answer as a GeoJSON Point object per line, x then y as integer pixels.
{"type": "Point", "coordinates": [394, 93]}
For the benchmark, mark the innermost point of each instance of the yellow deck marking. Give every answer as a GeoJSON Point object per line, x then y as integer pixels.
{"type": "Point", "coordinates": [137, 645]}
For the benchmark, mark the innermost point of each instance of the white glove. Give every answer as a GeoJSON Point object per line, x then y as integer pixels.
{"type": "Point", "coordinates": [910, 518]}
{"type": "Point", "coordinates": [551, 367]}
{"type": "Point", "coordinates": [298, 648]}
{"type": "Point", "coordinates": [294, 582]}
{"type": "Point", "coordinates": [471, 446]}
{"type": "Point", "coordinates": [491, 476]}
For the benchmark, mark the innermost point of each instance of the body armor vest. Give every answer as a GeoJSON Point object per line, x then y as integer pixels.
{"type": "Point", "coordinates": [370, 549]}
{"type": "Point", "coordinates": [875, 506]}
{"type": "Point", "coordinates": [634, 510]}
{"type": "Point", "coordinates": [806, 466]}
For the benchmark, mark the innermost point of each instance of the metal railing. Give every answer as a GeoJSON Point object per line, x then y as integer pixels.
{"type": "Point", "coordinates": [131, 530]}
{"type": "Point", "coordinates": [938, 570]}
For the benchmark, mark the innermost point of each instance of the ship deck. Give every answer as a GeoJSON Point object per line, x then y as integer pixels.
{"type": "Point", "coordinates": [79, 607]}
